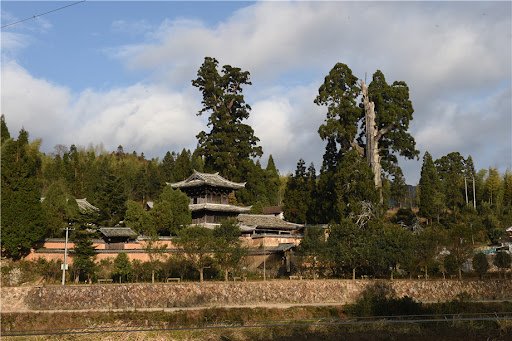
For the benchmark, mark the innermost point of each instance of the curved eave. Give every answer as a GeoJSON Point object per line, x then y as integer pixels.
{"type": "Point", "coordinates": [218, 208]}
{"type": "Point", "coordinates": [199, 183]}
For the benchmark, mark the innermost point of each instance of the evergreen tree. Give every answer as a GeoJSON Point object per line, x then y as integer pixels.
{"type": "Point", "coordinates": [22, 216]}
{"type": "Point", "coordinates": [228, 251]}
{"type": "Point", "coordinates": [230, 144]}
{"type": "Point", "coordinates": [451, 169]}
{"type": "Point", "coordinates": [507, 190]}
{"type": "Point", "coordinates": [167, 166]}
{"type": "Point", "coordinates": [60, 209]}
{"type": "Point", "coordinates": [325, 203]}
{"type": "Point", "coordinates": [502, 261]}
{"type": "Point", "coordinates": [398, 189]}
{"type": "Point", "coordinates": [391, 117]}
{"type": "Point", "coordinates": [138, 219]}
{"type": "Point", "coordinates": [170, 212]}
{"type": "Point", "coordinates": [480, 264]}
{"type": "Point", "coordinates": [347, 247]}
{"type": "Point", "coordinates": [312, 216]}
{"type": "Point", "coordinates": [430, 194]}
{"type": "Point", "coordinates": [84, 254]}
{"type": "Point", "coordinates": [122, 267]}
{"type": "Point", "coordinates": [355, 190]}
{"type": "Point", "coordinates": [4, 132]}
{"type": "Point", "coordinates": [255, 190]}
{"type": "Point", "coordinates": [111, 199]}
{"type": "Point", "coordinates": [196, 243]}
{"type": "Point", "coordinates": [383, 123]}
{"type": "Point", "coordinates": [182, 166]}
{"type": "Point", "coordinates": [297, 196]}
{"type": "Point", "coordinates": [272, 182]}
{"type": "Point", "coordinates": [493, 189]}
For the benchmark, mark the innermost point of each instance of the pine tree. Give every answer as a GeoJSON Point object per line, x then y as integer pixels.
{"type": "Point", "coordinates": [230, 144]}
{"type": "Point", "coordinates": [398, 189]}
{"type": "Point", "coordinates": [84, 254]}
{"type": "Point", "coordinates": [382, 124]}
{"type": "Point", "coordinates": [4, 132]}
{"type": "Point", "coordinates": [22, 217]}
{"type": "Point", "coordinates": [170, 212]}
{"type": "Point", "coordinates": [182, 166]}
{"type": "Point", "coordinates": [296, 195]}
{"type": "Point", "coordinates": [355, 191]}
{"type": "Point", "coordinates": [60, 209]}
{"type": "Point", "coordinates": [167, 165]}
{"type": "Point", "coordinates": [430, 193]}
{"type": "Point", "coordinates": [326, 196]}
{"type": "Point", "coordinates": [272, 182]}
{"type": "Point", "coordinates": [451, 170]}
{"type": "Point", "coordinates": [111, 198]}
{"type": "Point", "coordinates": [311, 185]}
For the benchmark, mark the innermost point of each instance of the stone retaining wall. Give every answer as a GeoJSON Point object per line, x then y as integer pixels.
{"type": "Point", "coordinates": [133, 296]}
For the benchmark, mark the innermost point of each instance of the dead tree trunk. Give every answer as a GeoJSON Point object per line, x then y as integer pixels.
{"type": "Point", "coordinates": [373, 136]}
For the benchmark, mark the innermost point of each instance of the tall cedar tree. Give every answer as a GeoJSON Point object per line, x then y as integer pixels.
{"type": "Point", "coordinates": [4, 131]}
{"type": "Point", "coordinates": [230, 145]}
{"type": "Point", "coordinates": [325, 202]}
{"type": "Point", "coordinates": [393, 110]}
{"type": "Point", "coordinates": [167, 166]}
{"type": "Point", "coordinates": [272, 182]}
{"type": "Point", "coordinates": [430, 191]}
{"type": "Point", "coordinates": [451, 170]}
{"type": "Point", "coordinates": [311, 184]}
{"type": "Point", "coordinates": [297, 196]}
{"type": "Point", "coordinates": [354, 185]}
{"type": "Point", "coordinates": [111, 198]}
{"type": "Point", "coordinates": [383, 135]}
{"type": "Point", "coordinates": [22, 216]}
{"type": "Point", "coordinates": [83, 259]}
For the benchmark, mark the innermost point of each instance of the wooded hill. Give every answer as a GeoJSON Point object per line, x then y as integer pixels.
{"type": "Point", "coordinates": [365, 130]}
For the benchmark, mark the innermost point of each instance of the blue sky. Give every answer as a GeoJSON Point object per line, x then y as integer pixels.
{"type": "Point", "coordinates": [119, 72]}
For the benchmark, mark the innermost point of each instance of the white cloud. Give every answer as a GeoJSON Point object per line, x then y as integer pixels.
{"type": "Point", "coordinates": [140, 117]}
{"type": "Point", "coordinates": [455, 57]}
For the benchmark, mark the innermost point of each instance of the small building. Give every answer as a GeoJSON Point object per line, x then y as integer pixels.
{"type": "Point", "coordinates": [274, 210]}
{"type": "Point", "coordinates": [209, 198]}
{"type": "Point", "coordinates": [116, 237]}
{"type": "Point", "coordinates": [267, 224]}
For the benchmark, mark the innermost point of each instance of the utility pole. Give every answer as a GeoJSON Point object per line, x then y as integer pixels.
{"type": "Point", "coordinates": [264, 260]}
{"type": "Point", "coordinates": [474, 195]}
{"type": "Point", "coordinates": [65, 264]}
{"type": "Point", "coordinates": [466, 189]}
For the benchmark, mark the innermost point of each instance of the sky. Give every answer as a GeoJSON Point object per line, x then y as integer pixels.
{"type": "Point", "coordinates": [119, 73]}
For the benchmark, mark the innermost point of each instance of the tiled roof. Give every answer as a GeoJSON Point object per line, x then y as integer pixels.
{"type": "Point", "coordinates": [200, 179]}
{"type": "Point", "coordinates": [117, 232]}
{"type": "Point", "coordinates": [218, 208]}
{"type": "Point", "coordinates": [268, 221]}
{"type": "Point", "coordinates": [272, 210]}
{"type": "Point", "coordinates": [84, 206]}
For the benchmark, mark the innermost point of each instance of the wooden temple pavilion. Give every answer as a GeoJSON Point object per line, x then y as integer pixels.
{"type": "Point", "coordinates": [209, 195]}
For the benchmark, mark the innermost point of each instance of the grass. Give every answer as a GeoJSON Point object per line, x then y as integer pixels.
{"type": "Point", "coordinates": [296, 329]}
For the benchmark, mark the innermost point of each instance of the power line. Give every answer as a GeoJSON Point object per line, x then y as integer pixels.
{"type": "Point", "coordinates": [41, 14]}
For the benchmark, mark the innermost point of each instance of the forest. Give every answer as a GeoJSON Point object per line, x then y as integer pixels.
{"type": "Point", "coordinates": [375, 221]}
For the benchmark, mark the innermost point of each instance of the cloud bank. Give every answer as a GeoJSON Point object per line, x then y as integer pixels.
{"type": "Point", "coordinates": [455, 57]}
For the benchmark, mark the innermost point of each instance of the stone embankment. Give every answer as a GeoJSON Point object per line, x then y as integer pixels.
{"type": "Point", "coordinates": [137, 296]}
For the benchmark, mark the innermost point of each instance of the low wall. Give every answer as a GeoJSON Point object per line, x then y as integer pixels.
{"type": "Point", "coordinates": [133, 296]}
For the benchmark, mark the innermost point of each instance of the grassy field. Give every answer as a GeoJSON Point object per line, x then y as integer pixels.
{"type": "Point", "coordinates": [298, 323]}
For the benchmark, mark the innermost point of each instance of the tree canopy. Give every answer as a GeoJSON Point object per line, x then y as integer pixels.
{"type": "Point", "coordinates": [230, 144]}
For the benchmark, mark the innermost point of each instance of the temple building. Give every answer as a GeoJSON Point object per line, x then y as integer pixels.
{"type": "Point", "coordinates": [209, 198]}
